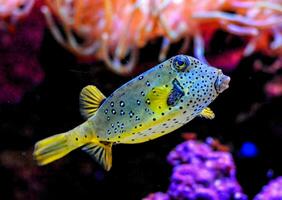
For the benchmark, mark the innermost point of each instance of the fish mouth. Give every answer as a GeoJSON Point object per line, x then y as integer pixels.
{"type": "Point", "coordinates": [222, 82]}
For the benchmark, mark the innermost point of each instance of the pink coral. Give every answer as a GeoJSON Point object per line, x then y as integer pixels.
{"type": "Point", "coordinates": [11, 11]}
{"type": "Point", "coordinates": [112, 31]}
{"type": "Point", "coordinates": [274, 87]}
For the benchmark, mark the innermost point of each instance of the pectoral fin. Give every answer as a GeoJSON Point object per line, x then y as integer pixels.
{"type": "Point", "coordinates": [176, 93]}
{"type": "Point", "coordinates": [101, 152]}
{"type": "Point", "coordinates": [207, 113]}
{"type": "Point", "coordinates": [90, 100]}
{"type": "Point", "coordinates": [162, 97]}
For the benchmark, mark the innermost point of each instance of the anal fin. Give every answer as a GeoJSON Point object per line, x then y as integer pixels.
{"type": "Point", "coordinates": [90, 100]}
{"type": "Point", "coordinates": [101, 152]}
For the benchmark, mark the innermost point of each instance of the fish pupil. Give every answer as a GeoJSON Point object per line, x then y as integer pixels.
{"type": "Point", "coordinates": [180, 62]}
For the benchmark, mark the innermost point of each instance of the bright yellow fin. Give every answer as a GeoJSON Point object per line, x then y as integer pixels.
{"type": "Point", "coordinates": [101, 152]}
{"type": "Point", "coordinates": [52, 148]}
{"type": "Point", "coordinates": [57, 146]}
{"type": "Point", "coordinates": [207, 113]}
{"type": "Point", "coordinates": [157, 98]}
{"type": "Point", "coordinates": [90, 100]}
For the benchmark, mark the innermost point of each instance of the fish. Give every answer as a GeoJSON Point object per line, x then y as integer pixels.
{"type": "Point", "coordinates": [151, 105]}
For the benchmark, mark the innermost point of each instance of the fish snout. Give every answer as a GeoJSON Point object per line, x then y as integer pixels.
{"type": "Point", "coordinates": [222, 82]}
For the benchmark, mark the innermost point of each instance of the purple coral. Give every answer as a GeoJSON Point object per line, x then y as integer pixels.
{"type": "Point", "coordinates": [188, 152]}
{"type": "Point", "coordinates": [19, 66]}
{"type": "Point", "coordinates": [157, 196]}
{"type": "Point", "coordinates": [200, 172]}
{"type": "Point", "coordinates": [272, 191]}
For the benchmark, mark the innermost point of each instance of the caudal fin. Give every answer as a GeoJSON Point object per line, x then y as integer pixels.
{"type": "Point", "coordinates": [57, 146]}
{"type": "Point", "coordinates": [52, 148]}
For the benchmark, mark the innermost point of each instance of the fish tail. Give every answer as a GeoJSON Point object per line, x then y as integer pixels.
{"type": "Point", "coordinates": [57, 146]}
{"type": "Point", "coordinates": [51, 149]}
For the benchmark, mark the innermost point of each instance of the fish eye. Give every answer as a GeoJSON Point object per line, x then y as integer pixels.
{"type": "Point", "coordinates": [181, 63]}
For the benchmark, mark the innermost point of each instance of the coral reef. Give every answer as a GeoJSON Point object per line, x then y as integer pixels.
{"type": "Point", "coordinates": [272, 191]}
{"type": "Point", "coordinates": [157, 196]}
{"type": "Point", "coordinates": [24, 171]}
{"type": "Point", "coordinates": [243, 37]}
{"type": "Point", "coordinates": [19, 66]}
{"type": "Point", "coordinates": [13, 11]}
{"type": "Point", "coordinates": [201, 172]}
{"type": "Point", "coordinates": [274, 87]}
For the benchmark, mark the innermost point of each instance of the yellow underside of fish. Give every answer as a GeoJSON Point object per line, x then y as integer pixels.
{"type": "Point", "coordinates": [125, 137]}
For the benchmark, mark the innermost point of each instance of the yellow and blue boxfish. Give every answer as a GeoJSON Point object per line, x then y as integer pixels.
{"type": "Point", "coordinates": [151, 105]}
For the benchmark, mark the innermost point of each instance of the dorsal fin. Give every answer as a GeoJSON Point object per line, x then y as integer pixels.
{"type": "Point", "coordinates": [90, 100]}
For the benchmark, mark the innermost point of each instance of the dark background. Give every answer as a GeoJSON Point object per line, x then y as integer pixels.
{"type": "Point", "coordinates": [138, 169]}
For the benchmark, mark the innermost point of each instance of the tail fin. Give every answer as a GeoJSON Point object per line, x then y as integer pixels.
{"type": "Point", "coordinates": [52, 148]}
{"type": "Point", "coordinates": [57, 146]}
